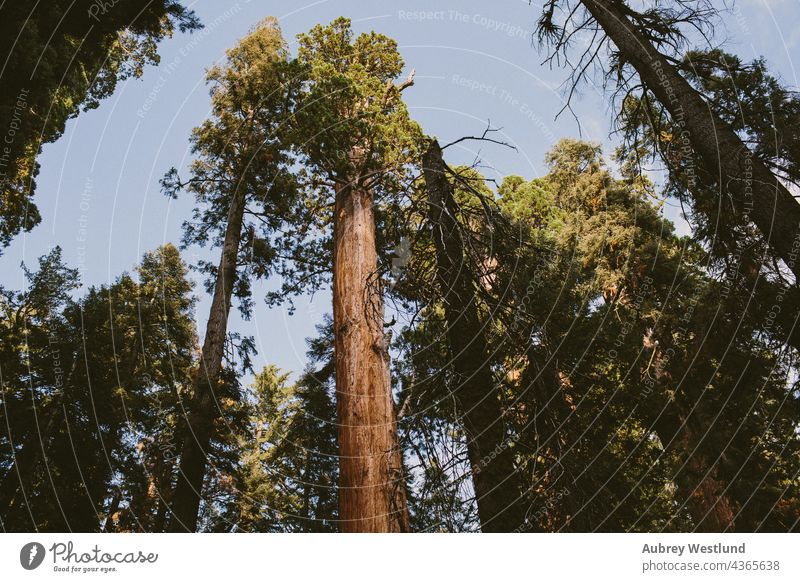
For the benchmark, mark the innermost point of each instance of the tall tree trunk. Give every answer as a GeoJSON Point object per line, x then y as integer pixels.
{"type": "Point", "coordinates": [372, 494]}
{"type": "Point", "coordinates": [753, 188]}
{"type": "Point", "coordinates": [498, 487]}
{"type": "Point", "coordinates": [200, 421]}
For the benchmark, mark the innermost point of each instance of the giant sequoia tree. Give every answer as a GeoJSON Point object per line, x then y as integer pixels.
{"type": "Point", "coordinates": [336, 110]}
{"type": "Point", "coordinates": [562, 359]}
{"type": "Point", "coordinates": [357, 141]}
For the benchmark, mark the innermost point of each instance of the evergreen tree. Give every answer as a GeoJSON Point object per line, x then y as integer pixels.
{"type": "Point", "coordinates": [289, 470]}
{"type": "Point", "coordinates": [77, 392]}
{"type": "Point", "coordinates": [62, 58]}
{"type": "Point", "coordinates": [665, 359]}
{"type": "Point", "coordinates": [240, 172]}
{"type": "Point", "coordinates": [647, 44]}
{"type": "Point", "coordinates": [498, 489]}
{"type": "Point", "coordinates": [356, 143]}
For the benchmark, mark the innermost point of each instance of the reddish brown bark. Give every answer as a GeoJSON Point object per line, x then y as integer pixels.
{"type": "Point", "coordinates": [372, 489]}
{"type": "Point", "coordinates": [698, 482]}
{"type": "Point", "coordinates": [711, 509]}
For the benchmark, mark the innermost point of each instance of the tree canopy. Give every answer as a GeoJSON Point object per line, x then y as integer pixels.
{"type": "Point", "coordinates": [528, 354]}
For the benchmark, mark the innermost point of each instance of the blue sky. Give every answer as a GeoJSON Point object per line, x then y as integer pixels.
{"type": "Point", "coordinates": [474, 61]}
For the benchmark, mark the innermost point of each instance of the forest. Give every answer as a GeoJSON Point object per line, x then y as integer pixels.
{"type": "Point", "coordinates": [532, 354]}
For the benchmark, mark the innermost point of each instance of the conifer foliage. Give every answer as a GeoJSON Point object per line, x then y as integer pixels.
{"type": "Point", "coordinates": [532, 354]}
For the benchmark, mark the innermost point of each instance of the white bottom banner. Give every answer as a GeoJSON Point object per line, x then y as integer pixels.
{"type": "Point", "coordinates": [389, 558]}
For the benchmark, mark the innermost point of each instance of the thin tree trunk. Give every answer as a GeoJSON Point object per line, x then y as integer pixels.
{"type": "Point", "coordinates": [753, 188]}
{"type": "Point", "coordinates": [498, 487]}
{"type": "Point", "coordinates": [200, 421]}
{"type": "Point", "coordinates": [113, 507]}
{"type": "Point", "coordinates": [372, 494]}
